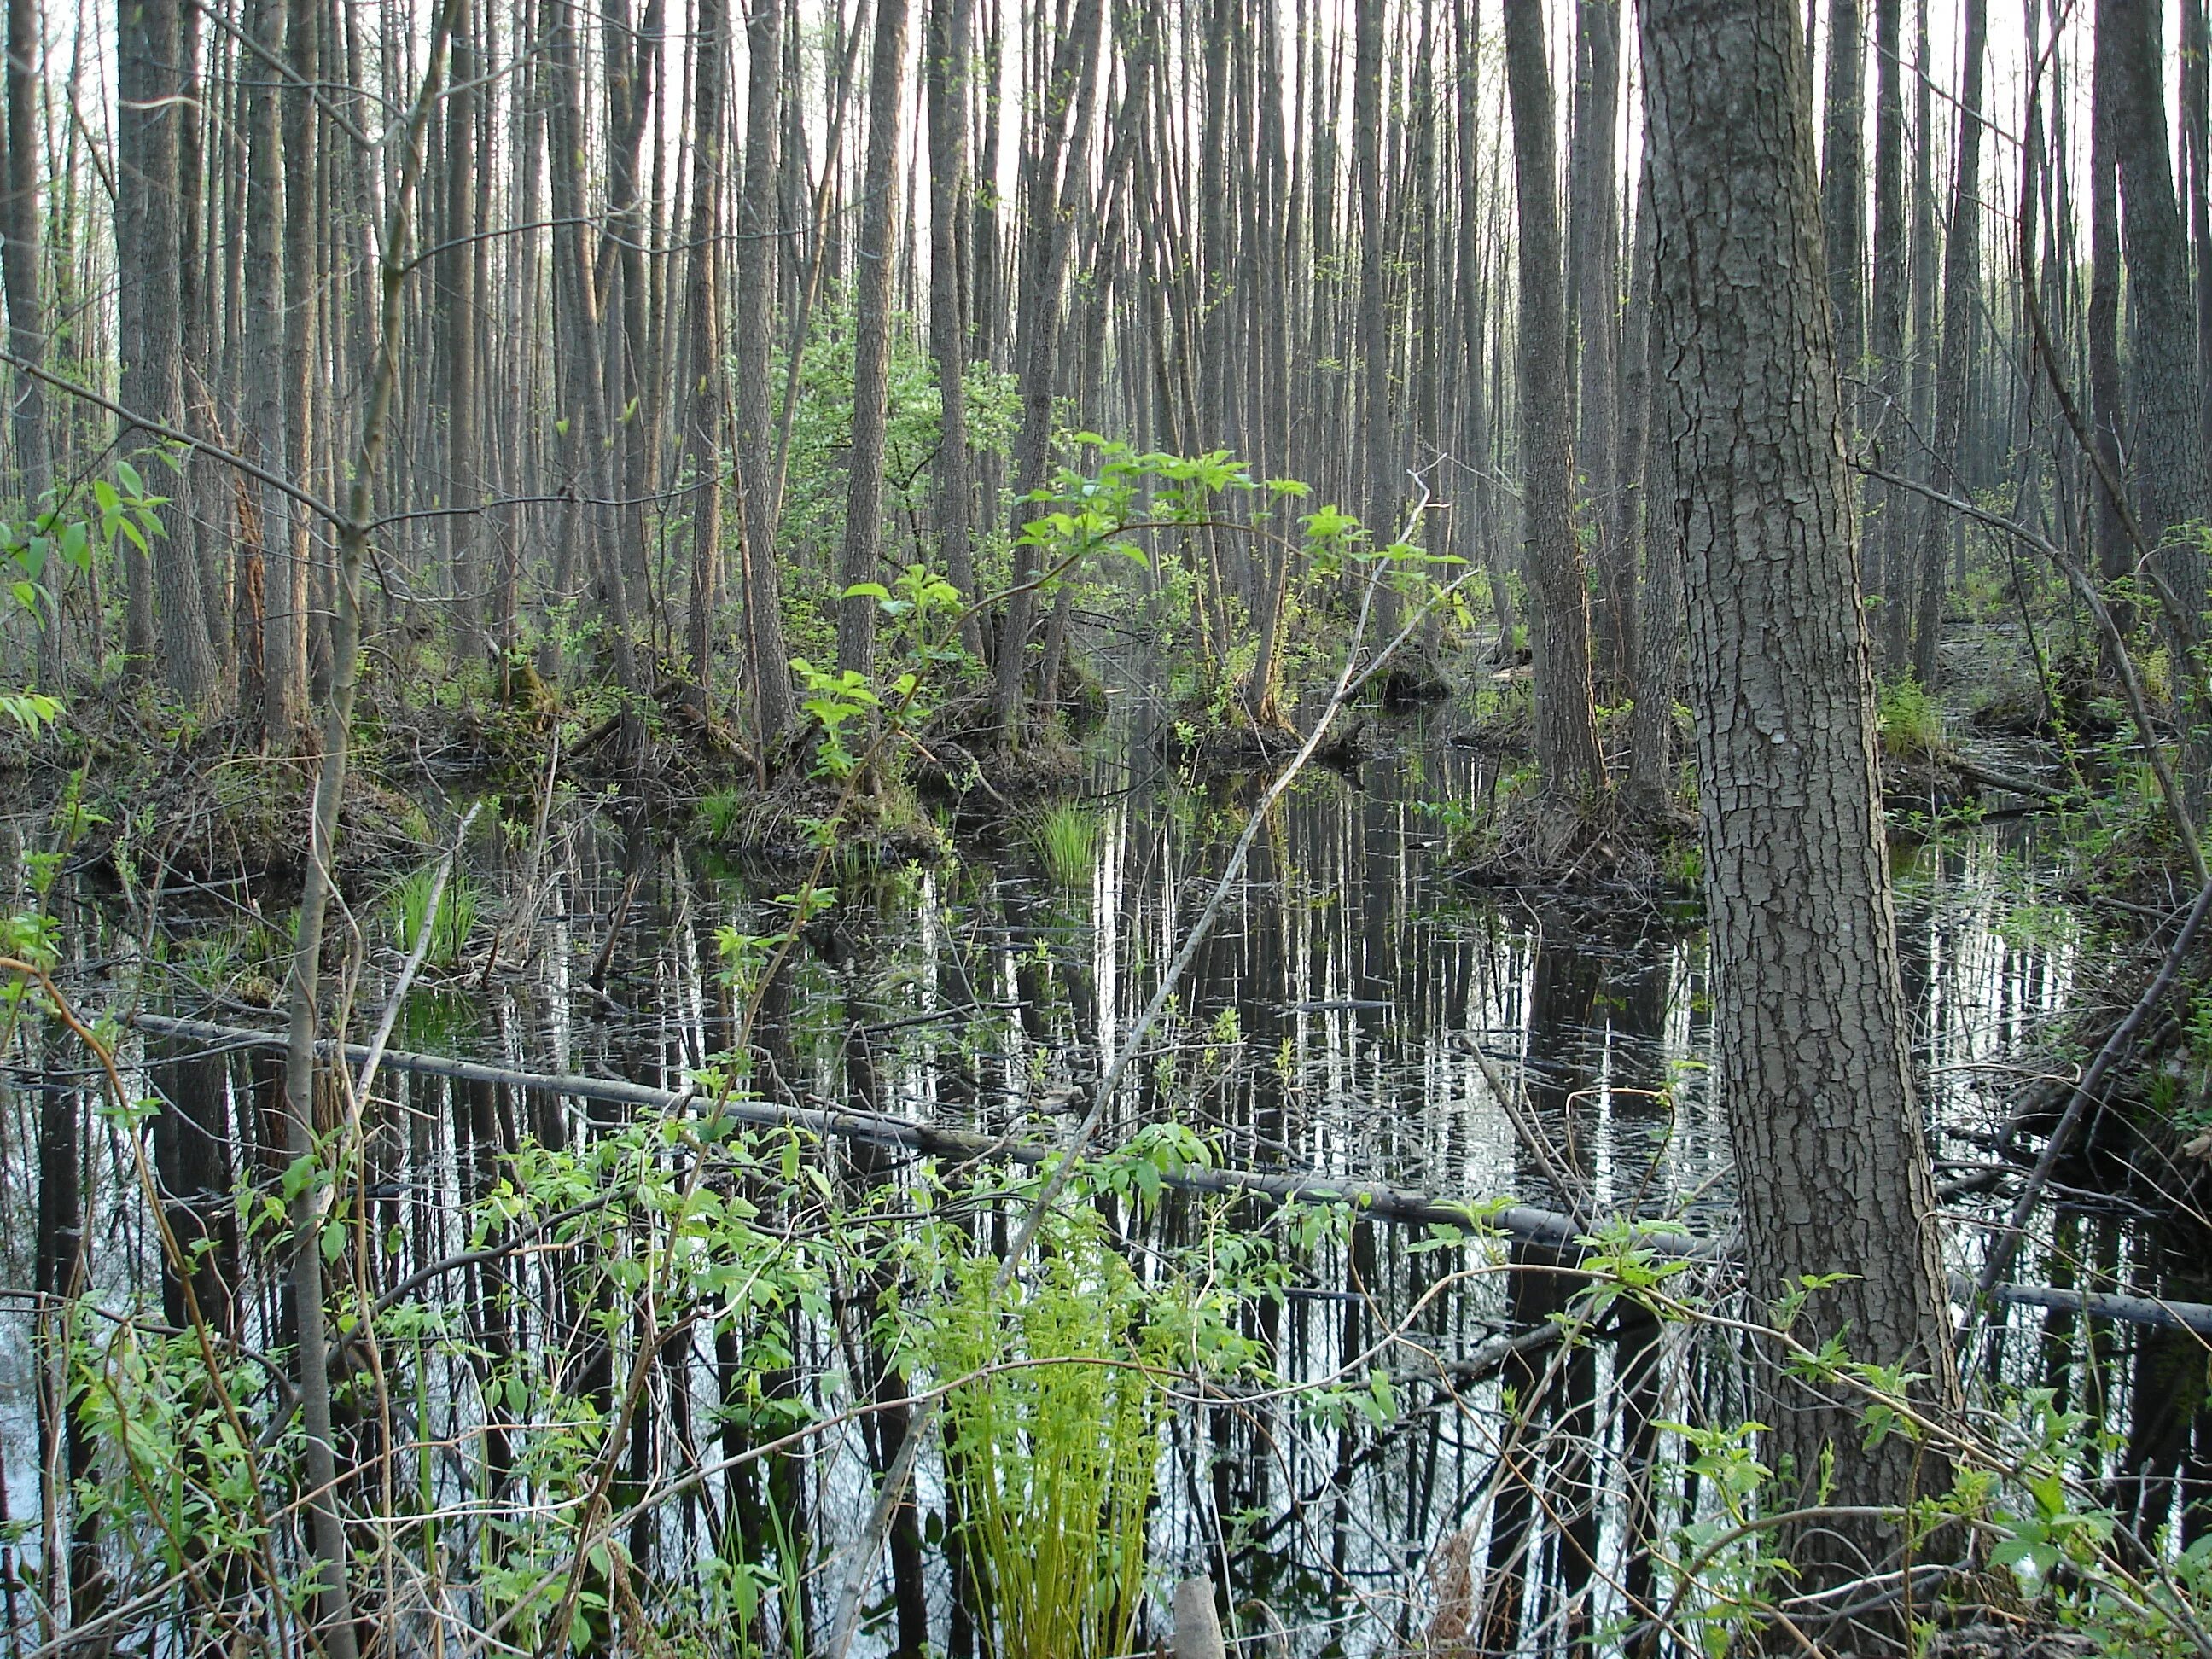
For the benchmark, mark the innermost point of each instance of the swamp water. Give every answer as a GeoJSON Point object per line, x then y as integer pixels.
{"type": "Point", "coordinates": [1335, 1024]}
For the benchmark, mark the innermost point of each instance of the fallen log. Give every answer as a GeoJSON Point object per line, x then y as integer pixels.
{"type": "Point", "coordinates": [1382, 1201]}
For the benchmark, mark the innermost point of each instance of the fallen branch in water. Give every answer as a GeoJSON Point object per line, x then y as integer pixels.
{"type": "Point", "coordinates": [1380, 1199]}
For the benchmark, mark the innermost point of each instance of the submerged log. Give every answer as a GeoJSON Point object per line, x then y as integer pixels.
{"type": "Point", "coordinates": [1377, 1198]}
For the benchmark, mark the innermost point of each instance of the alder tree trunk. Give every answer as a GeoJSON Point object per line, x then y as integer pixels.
{"type": "Point", "coordinates": [1881, 415]}
{"type": "Point", "coordinates": [705, 393]}
{"type": "Point", "coordinates": [1595, 281]}
{"type": "Point", "coordinates": [2170, 473]}
{"type": "Point", "coordinates": [20, 261]}
{"type": "Point", "coordinates": [1962, 261]}
{"type": "Point", "coordinates": [861, 556]}
{"type": "Point", "coordinates": [2107, 399]}
{"type": "Point", "coordinates": [152, 90]}
{"type": "Point", "coordinates": [1809, 1026]}
{"type": "Point", "coordinates": [775, 709]}
{"type": "Point", "coordinates": [1567, 756]}
{"type": "Point", "coordinates": [945, 76]}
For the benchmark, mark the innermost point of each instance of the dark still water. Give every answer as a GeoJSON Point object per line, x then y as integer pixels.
{"type": "Point", "coordinates": [1349, 1017]}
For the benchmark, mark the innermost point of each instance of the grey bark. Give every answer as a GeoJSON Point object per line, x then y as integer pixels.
{"type": "Point", "coordinates": [1962, 256]}
{"type": "Point", "coordinates": [775, 709]}
{"type": "Point", "coordinates": [2107, 399]}
{"type": "Point", "coordinates": [707, 392]}
{"type": "Point", "coordinates": [1594, 281]}
{"type": "Point", "coordinates": [261, 428]}
{"type": "Point", "coordinates": [1053, 170]}
{"type": "Point", "coordinates": [944, 76]}
{"type": "Point", "coordinates": [860, 556]}
{"type": "Point", "coordinates": [1882, 419]}
{"type": "Point", "coordinates": [2170, 470]}
{"type": "Point", "coordinates": [19, 273]}
{"type": "Point", "coordinates": [456, 309]}
{"type": "Point", "coordinates": [1566, 734]}
{"type": "Point", "coordinates": [1809, 1024]}
{"type": "Point", "coordinates": [284, 626]}
{"type": "Point", "coordinates": [150, 90]}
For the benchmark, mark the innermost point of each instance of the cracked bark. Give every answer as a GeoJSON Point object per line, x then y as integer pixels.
{"type": "Point", "coordinates": [1809, 1022]}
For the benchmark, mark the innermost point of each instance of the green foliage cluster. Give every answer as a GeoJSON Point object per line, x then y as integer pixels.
{"type": "Point", "coordinates": [1064, 837]}
{"type": "Point", "coordinates": [409, 906]}
{"type": "Point", "coordinates": [1909, 720]}
{"type": "Point", "coordinates": [1051, 1439]}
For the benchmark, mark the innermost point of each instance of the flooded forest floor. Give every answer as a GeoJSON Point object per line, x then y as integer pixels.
{"type": "Point", "coordinates": [673, 1213]}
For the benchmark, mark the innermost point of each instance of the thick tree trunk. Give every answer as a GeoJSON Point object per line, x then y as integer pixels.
{"type": "Point", "coordinates": [1809, 1023]}
{"type": "Point", "coordinates": [2172, 484]}
{"type": "Point", "coordinates": [1566, 733]}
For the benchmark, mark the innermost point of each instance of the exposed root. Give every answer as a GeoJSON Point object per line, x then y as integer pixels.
{"type": "Point", "coordinates": [1540, 840]}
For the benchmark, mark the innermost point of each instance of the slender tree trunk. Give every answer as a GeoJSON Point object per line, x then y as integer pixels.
{"type": "Point", "coordinates": [2196, 172]}
{"type": "Point", "coordinates": [266, 522]}
{"type": "Point", "coordinates": [775, 709]}
{"type": "Point", "coordinates": [1595, 279]}
{"type": "Point", "coordinates": [945, 76]}
{"type": "Point", "coordinates": [629, 59]}
{"type": "Point", "coordinates": [579, 341]}
{"type": "Point", "coordinates": [1882, 419]}
{"type": "Point", "coordinates": [1962, 261]}
{"type": "Point", "coordinates": [152, 92]}
{"type": "Point", "coordinates": [458, 303]}
{"type": "Point", "coordinates": [706, 391]}
{"type": "Point", "coordinates": [1053, 170]}
{"type": "Point", "coordinates": [1659, 667]}
{"type": "Point", "coordinates": [284, 626]}
{"type": "Point", "coordinates": [1897, 633]}
{"type": "Point", "coordinates": [2107, 400]}
{"type": "Point", "coordinates": [1475, 517]}
{"type": "Point", "coordinates": [1566, 732]}
{"type": "Point", "coordinates": [1809, 1023]}
{"type": "Point", "coordinates": [21, 275]}
{"type": "Point", "coordinates": [861, 557]}
{"type": "Point", "coordinates": [1377, 415]}
{"type": "Point", "coordinates": [1842, 204]}
{"type": "Point", "coordinates": [334, 1597]}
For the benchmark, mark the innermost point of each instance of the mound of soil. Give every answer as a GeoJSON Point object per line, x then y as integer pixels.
{"type": "Point", "coordinates": [1537, 842]}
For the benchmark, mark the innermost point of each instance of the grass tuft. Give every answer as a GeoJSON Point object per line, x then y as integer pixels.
{"type": "Point", "coordinates": [1066, 837]}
